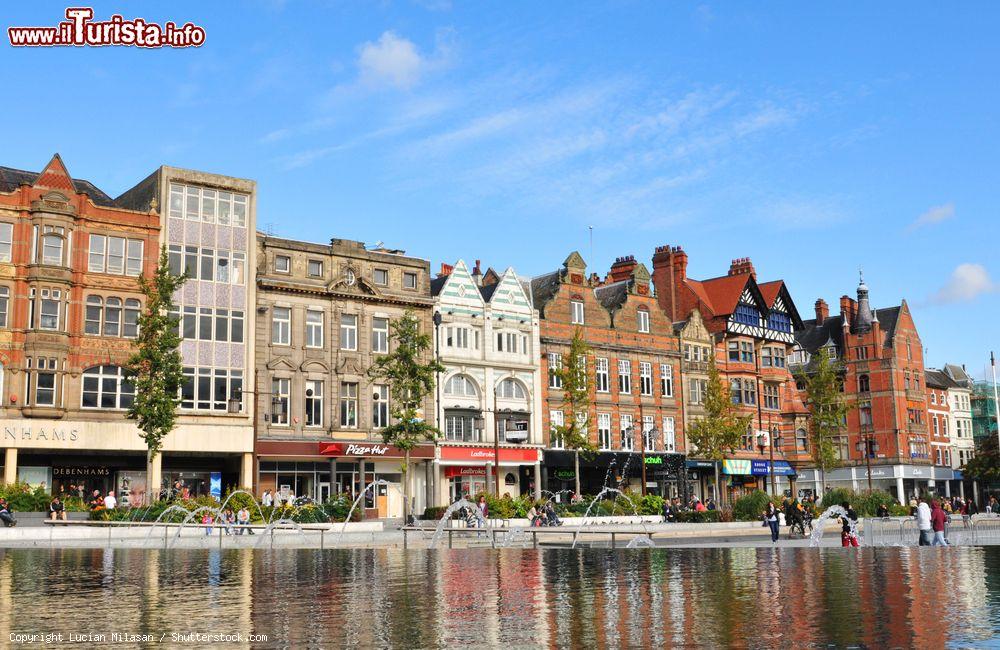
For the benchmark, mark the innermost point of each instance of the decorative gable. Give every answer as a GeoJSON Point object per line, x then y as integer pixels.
{"type": "Point", "coordinates": [55, 176]}
{"type": "Point", "coordinates": [460, 293]}
{"type": "Point", "coordinates": [509, 296]}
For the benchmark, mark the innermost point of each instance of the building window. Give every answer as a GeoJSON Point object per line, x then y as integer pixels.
{"type": "Point", "coordinates": [936, 426]}
{"type": "Point", "coordinates": [669, 435]}
{"type": "Point", "coordinates": [750, 391]}
{"type": "Point", "coordinates": [349, 405]}
{"type": "Point", "coordinates": [281, 325]}
{"type": "Point", "coordinates": [462, 426]}
{"type": "Point", "coordinates": [555, 365]}
{"type": "Point", "coordinates": [279, 401]}
{"type": "Point", "coordinates": [772, 399]}
{"type": "Point", "coordinates": [195, 203]}
{"type": "Point", "coordinates": [864, 384]}
{"type": "Point", "coordinates": [734, 351]}
{"type": "Point", "coordinates": [314, 328]}
{"type": "Point", "coordinates": [576, 312]}
{"type": "Point", "coordinates": [642, 319]}
{"type": "Point", "coordinates": [314, 403]}
{"type": "Point", "coordinates": [381, 277]}
{"type": "Point", "coordinates": [51, 301]}
{"type": "Point", "coordinates": [648, 439]}
{"type": "Point", "coordinates": [105, 387]}
{"type": "Point", "coordinates": [779, 322]}
{"type": "Point", "coordinates": [380, 406]}
{"type": "Point", "coordinates": [130, 329]}
{"type": "Point", "coordinates": [348, 332]}
{"type": "Point", "coordinates": [604, 430]}
{"type": "Point", "coordinates": [697, 389]}
{"type": "Point", "coordinates": [666, 380]}
{"type": "Point", "coordinates": [747, 314]}
{"type": "Point", "coordinates": [6, 242]}
{"type": "Point", "coordinates": [380, 335]}
{"type": "Point", "coordinates": [511, 389]}
{"type": "Point", "coordinates": [746, 351]}
{"type": "Point", "coordinates": [460, 386]}
{"type": "Point", "coordinates": [645, 378]}
{"type": "Point", "coordinates": [801, 440]}
{"type": "Point", "coordinates": [409, 280]}
{"type": "Point", "coordinates": [112, 316]}
{"type": "Point", "coordinates": [282, 264]}
{"type": "Point", "coordinates": [626, 431]}
{"type": "Point", "coordinates": [45, 383]}
{"type": "Point", "coordinates": [4, 303]}
{"type": "Point", "coordinates": [865, 415]}
{"type": "Point", "coordinates": [53, 240]}
{"type": "Point", "coordinates": [862, 352]}
{"type": "Point", "coordinates": [624, 376]}
{"type": "Point", "coordinates": [315, 268]}
{"type": "Point", "coordinates": [458, 337]}
{"type": "Point", "coordinates": [602, 375]}
{"type": "Point", "coordinates": [92, 315]}
{"type": "Point", "coordinates": [211, 388]}
{"type": "Point", "coordinates": [555, 421]}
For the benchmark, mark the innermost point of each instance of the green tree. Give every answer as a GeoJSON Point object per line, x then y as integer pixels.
{"type": "Point", "coordinates": [722, 428]}
{"type": "Point", "coordinates": [572, 374]}
{"type": "Point", "coordinates": [410, 380]}
{"type": "Point", "coordinates": [984, 466]}
{"type": "Point", "coordinates": [155, 367]}
{"type": "Point", "coordinates": [828, 408]}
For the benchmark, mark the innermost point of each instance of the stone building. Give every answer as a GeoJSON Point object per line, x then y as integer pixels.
{"type": "Point", "coordinates": [634, 378]}
{"type": "Point", "coordinates": [882, 356]}
{"type": "Point", "coordinates": [752, 326]}
{"type": "Point", "coordinates": [324, 313]}
{"type": "Point", "coordinates": [70, 256]}
{"type": "Point", "coordinates": [697, 347]}
{"type": "Point", "coordinates": [963, 445]}
{"type": "Point", "coordinates": [486, 334]}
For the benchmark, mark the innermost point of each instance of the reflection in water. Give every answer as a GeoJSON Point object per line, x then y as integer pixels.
{"type": "Point", "coordinates": [797, 597]}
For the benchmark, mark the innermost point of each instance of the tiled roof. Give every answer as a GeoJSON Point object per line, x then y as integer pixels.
{"type": "Point", "coordinates": [770, 291]}
{"type": "Point", "coordinates": [437, 284]}
{"type": "Point", "coordinates": [812, 336]}
{"type": "Point", "coordinates": [721, 294]}
{"type": "Point", "coordinates": [543, 287]}
{"type": "Point", "coordinates": [938, 379]}
{"type": "Point", "coordinates": [11, 179]}
{"type": "Point", "coordinates": [612, 295]}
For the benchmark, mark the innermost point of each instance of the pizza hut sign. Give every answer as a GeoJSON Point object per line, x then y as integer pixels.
{"type": "Point", "coordinates": [366, 450]}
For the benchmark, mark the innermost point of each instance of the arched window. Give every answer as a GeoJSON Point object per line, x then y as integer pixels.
{"type": "Point", "coordinates": [53, 241]}
{"type": "Point", "coordinates": [105, 387]}
{"type": "Point", "coordinates": [510, 389]}
{"type": "Point", "coordinates": [461, 386]}
{"type": "Point", "coordinates": [113, 317]}
{"type": "Point", "coordinates": [92, 319]}
{"type": "Point", "coordinates": [131, 324]}
{"type": "Point", "coordinates": [864, 384]}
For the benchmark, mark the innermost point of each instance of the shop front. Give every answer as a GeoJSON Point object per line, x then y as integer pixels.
{"type": "Point", "coordinates": [320, 470]}
{"type": "Point", "coordinates": [467, 471]}
{"type": "Point", "coordinates": [701, 479]}
{"type": "Point", "coordinates": [78, 457]}
{"type": "Point", "coordinates": [665, 473]}
{"type": "Point", "coordinates": [746, 475]}
{"type": "Point", "coordinates": [904, 482]}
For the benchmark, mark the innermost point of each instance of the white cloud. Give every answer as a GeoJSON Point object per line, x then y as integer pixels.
{"type": "Point", "coordinates": [967, 282]}
{"type": "Point", "coordinates": [391, 61]}
{"type": "Point", "coordinates": [936, 214]}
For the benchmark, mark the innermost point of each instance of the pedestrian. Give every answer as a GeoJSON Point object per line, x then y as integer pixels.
{"type": "Point", "coordinates": [550, 515]}
{"type": "Point", "coordinates": [57, 510]}
{"type": "Point", "coordinates": [924, 523]}
{"type": "Point", "coordinates": [267, 499]}
{"type": "Point", "coordinates": [7, 514]}
{"type": "Point", "coordinates": [938, 519]}
{"type": "Point", "coordinates": [699, 506]}
{"type": "Point", "coordinates": [533, 518]}
{"type": "Point", "coordinates": [849, 521]}
{"type": "Point", "coordinates": [206, 520]}
{"type": "Point", "coordinates": [710, 504]}
{"type": "Point", "coordinates": [484, 510]}
{"type": "Point", "coordinates": [110, 502]}
{"type": "Point", "coordinates": [994, 506]}
{"type": "Point", "coordinates": [96, 500]}
{"type": "Point", "coordinates": [243, 517]}
{"type": "Point", "coordinates": [227, 518]}
{"type": "Point", "coordinates": [882, 511]}
{"type": "Point", "coordinates": [771, 517]}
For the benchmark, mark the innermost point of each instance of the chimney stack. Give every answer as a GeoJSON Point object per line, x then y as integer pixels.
{"type": "Point", "coordinates": [477, 275]}
{"type": "Point", "coordinates": [742, 266]}
{"type": "Point", "coordinates": [446, 270]}
{"type": "Point", "coordinates": [669, 274]}
{"type": "Point", "coordinates": [822, 311]}
{"type": "Point", "coordinates": [622, 268]}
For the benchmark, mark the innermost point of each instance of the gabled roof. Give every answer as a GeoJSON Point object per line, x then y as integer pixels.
{"type": "Point", "coordinates": [543, 287]}
{"type": "Point", "coordinates": [51, 176]}
{"type": "Point", "coordinates": [722, 294]}
{"type": "Point", "coordinates": [958, 375]}
{"type": "Point", "coordinates": [812, 336]}
{"type": "Point", "coordinates": [938, 379]}
{"type": "Point", "coordinates": [612, 295]}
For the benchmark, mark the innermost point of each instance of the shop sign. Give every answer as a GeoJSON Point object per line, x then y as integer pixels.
{"type": "Point", "coordinates": [29, 433]}
{"type": "Point", "coordinates": [700, 464]}
{"type": "Point", "coordinates": [365, 450]}
{"type": "Point", "coordinates": [486, 455]}
{"type": "Point", "coordinates": [565, 474]}
{"type": "Point", "coordinates": [215, 483]}
{"type": "Point", "coordinates": [453, 472]}
{"type": "Point", "coordinates": [654, 460]}
{"type": "Point", "coordinates": [736, 467]}
{"type": "Point", "coordinates": [80, 472]}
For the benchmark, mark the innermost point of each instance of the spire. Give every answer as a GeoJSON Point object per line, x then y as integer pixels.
{"type": "Point", "coordinates": [863, 319]}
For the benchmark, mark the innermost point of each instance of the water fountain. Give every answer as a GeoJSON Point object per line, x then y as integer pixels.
{"type": "Point", "coordinates": [269, 529]}
{"type": "Point", "coordinates": [830, 513]}
{"type": "Point", "coordinates": [643, 541]}
{"type": "Point", "coordinates": [461, 503]}
{"type": "Point", "coordinates": [597, 499]}
{"type": "Point", "coordinates": [354, 505]}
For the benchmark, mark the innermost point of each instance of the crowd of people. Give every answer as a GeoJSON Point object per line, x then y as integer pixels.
{"type": "Point", "coordinates": [673, 507]}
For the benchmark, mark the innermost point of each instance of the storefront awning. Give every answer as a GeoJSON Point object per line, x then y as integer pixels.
{"type": "Point", "coordinates": [746, 467]}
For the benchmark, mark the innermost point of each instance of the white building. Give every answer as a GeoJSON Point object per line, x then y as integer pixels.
{"type": "Point", "coordinates": [486, 336]}
{"type": "Point", "coordinates": [960, 403]}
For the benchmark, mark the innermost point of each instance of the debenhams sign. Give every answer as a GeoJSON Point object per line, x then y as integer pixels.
{"type": "Point", "coordinates": [53, 434]}
{"type": "Point", "coordinates": [41, 434]}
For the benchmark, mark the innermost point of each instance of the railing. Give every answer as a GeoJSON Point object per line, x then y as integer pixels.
{"type": "Point", "coordinates": [958, 529]}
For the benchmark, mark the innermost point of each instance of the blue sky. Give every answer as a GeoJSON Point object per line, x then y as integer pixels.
{"type": "Point", "coordinates": [813, 140]}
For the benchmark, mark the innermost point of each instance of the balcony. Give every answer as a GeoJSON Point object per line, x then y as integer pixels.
{"type": "Point", "coordinates": [694, 366]}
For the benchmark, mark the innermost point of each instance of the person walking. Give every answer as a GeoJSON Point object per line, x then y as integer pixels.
{"type": "Point", "coordinates": [484, 510]}
{"type": "Point", "coordinates": [771, 517]}
{"type": "Point", "coordinates": [110, 502]}
{"type": "Point", "coordinates": [267, 499]}
{"type": "Point", "coordinates": [849, 521]}
{"type": "Point", "coordinates": [924, 523]}
{"type": "Point", "coordinates": [938, 519]}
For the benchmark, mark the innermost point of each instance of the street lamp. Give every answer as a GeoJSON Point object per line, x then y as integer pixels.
{"type": "Point", "coordinates": [869, 447]}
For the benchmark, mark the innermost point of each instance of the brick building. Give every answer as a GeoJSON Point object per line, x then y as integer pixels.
{"type": "Point", "coordinates": [752, 325]}
{"type": "Point", "coordinates": [70, 256]}
{"type": "Point", "coordinates": [884, 377]}
{"type": "Point", "coordinates": [633, 376]}
{"type": "Point", "coordinates": [323, 316]}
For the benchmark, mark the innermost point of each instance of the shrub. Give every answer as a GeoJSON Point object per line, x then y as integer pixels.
{"type": "Point", "coordinates": [338, 506]}
{"type": "Point", "coordinates": [696, 517]}
{"type": "Point", "coordinates": [865, 503]}
{"type": "Point", "coordinates": [25, 498]}
{"type": "Point", "coordinates": [751, 507]}
{"type": "Point", "coordinates": [433, 513]}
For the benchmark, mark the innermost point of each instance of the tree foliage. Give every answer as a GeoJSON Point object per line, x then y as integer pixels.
{"type": "Point", "coordinates": [984, 466]}
{"type": "Point", "coordinates": [828, 408]}
{"type": "Point", "coordinates": [410, 380]}
{"type": "Point", "coordinates": [576, 396]}
{"type": "Point", "coordinates": [721, 430]}
{"type": "Point", "coordinates": [155, 367]}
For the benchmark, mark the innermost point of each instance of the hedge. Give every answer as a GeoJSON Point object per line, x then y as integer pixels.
{"type": "Point", "coordinates": [23, 497]}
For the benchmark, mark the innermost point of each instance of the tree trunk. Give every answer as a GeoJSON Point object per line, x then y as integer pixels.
{"type": "Point", "coordinates": [718, 491]}
{"type": "Point", "coordinates": [406, 487]}
{"type": "Point", "coordinates": [576, 471]}
{"type": "Point", "coordinates": [822, 474]}
{"type": "Point", "coordinates": [152, 491]}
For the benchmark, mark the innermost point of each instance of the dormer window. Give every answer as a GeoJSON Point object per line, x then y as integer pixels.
{"type": "Point", "coordinates": [747, 314]}
{"type": "Point", "coordinates": [779, 322]}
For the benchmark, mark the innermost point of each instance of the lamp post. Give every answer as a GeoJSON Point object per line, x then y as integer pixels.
{"type": "Point", "coordinates": [774, 439]}
{"type": "Point", "coordinates": [869, 446]}
{"type": "Point", "coordinates": [437, 375]}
